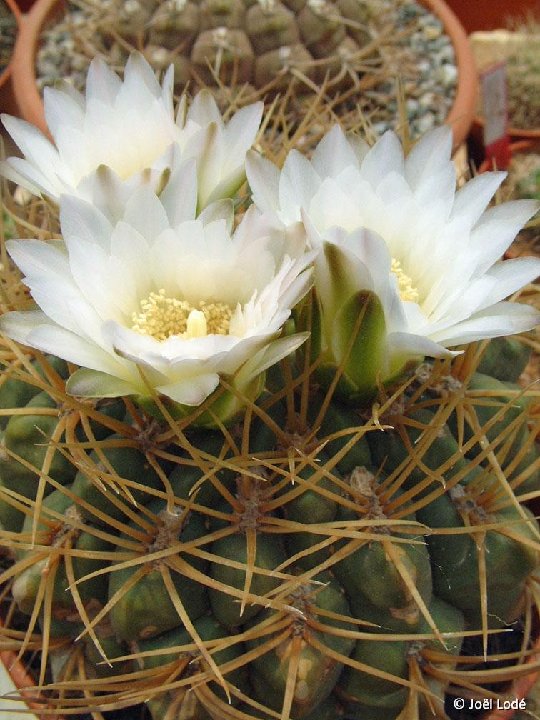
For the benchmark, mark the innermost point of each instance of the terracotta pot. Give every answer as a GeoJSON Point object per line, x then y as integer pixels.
{"type": "Point", "coordinates": [24, 683]}
{"type": "Point", "coordinates": [520, 688]}
{"type": "Point", "coordinates": [490, 14]}
{"type": "Point", "coordinates": [27, 96]}
{"type": "Point", "coordinates": [25, 5]}
{"type": "Point", "coordinates": [21, 680]}
{"type": "Point", "coordinates": [490, 49]}
{"type": "Point", "coordinates": [514, 133]}
{"type": "Point", "coordinates": [522, 146]}
{"type": "Point", "coordinates": [7, 96]}
{"type": "Point", "coordinates": [462, 112]}
{"type": "Point", "coordinates": [31, 105]}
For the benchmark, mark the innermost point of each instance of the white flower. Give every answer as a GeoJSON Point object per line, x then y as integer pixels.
{"type": "Point", "coordinates": [122, 134]}
{"type": "Point", "coordinates": [161, 302]}
{"type": "Point", "coordinates": [396, 228]}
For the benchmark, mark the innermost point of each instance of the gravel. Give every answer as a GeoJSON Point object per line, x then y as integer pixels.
{"type": "Point", "coordinates": [8, 29]}
{"type": "Point", "coordinates": [423, 60]}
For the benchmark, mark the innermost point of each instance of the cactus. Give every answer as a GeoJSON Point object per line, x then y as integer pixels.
{"type": "Point", "coordinates": [231, 42]}
{"type": "Point", "coordinates": [314, 556]}
{"type": "Point", "coordinates": [263, 572]}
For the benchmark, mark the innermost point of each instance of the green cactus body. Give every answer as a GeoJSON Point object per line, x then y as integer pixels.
{"type": "Point", "coordinates": [370, 572]}
{"type": "Point", "coordinates": [301, 559]}
{"type": "Point", "coordinates": [11, 516]}
{"type": "Point", "coordinates": [521, 463]}
{"type": "Point", "coordinates": [269, 554]}
{"type": "Point", "coordinates": [455, 558]}
{"type": "Point", "coordinates": [367, 693]}
{"type": "Point", "coordinates": [373, 690]}
{"type": "Point", "coordinates": [112, 649]}
{"type": "Point", "coordinates": [14, 393]}
{"type": "Point", "coordinates": [191, 662]}
{"type": "Point", "coordinates": [496, 413]}
{"type": "Point", "coordinates": [18, 387]}
{"type": "Point", "coordinates": [59, 524]}
{"type": "Point", "coordinates": [114, 464]}
{"type": "Point", "coordinates": [311, 503]}
{"type": "Point", "coordinates": [390, 452]}
{"type": "Point", "coordinates": [138, 589]}
{"type": "Point", "coordinates": [378, 574]}
{"type": "Point", "coordinates": [505, 358]}
{"type": "Point", "coordinates": [316, 673]}
{"type": "Point", "coordinates": [338, 419]}
{"type": "Point", "coordinates": [27, 436]}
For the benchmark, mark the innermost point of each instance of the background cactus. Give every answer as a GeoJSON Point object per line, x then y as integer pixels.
{"type": "Point", "coordinates": [353, 49]}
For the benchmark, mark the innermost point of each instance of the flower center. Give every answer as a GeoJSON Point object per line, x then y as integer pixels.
{"type": "Point", "coordinates": [407, 291]}
{"type": "Point", "coordinates": [161, 317]}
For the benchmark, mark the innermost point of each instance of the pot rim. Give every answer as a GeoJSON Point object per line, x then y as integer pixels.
{"type": "Point", "coordinates": [461, 114]}
{"type": "Point", "coordinates": [22, 680]}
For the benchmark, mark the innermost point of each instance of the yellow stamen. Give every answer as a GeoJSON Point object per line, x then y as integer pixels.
{"type": "Point", "coordinates": [161, 317]}
{"type": "Point", "coordinates": [407, 291]}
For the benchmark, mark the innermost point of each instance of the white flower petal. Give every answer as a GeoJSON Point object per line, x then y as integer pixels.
{"type": "Point", "coordinates": [427, 156]}
{"type": "Point", "coordinates": [332, 154]}
{"type": "Point", "coordinates": [128, 127]}
{"type": "Point", "coordinates": [472, 199]}
{"type": "Point", "coordinates": [145, 213]}
{"type": "Point", "coordinates": [192, 390]}
{"type": "Point", "coordinates": [81, 221]}
{"type": "Point", "coordinates": [102, 85]}
{"type": "Point", "coordinates": [20, 172]}
{"type": "Point", "coordinates": [36, 330]}
{"type": "Point", "coordinates": [63, 105]}
{"type": "Point", "coordinates": [179, 198]}
{"type": "Point", "coordinates": [504, 318]}
{"type": "Point", "coordinates": [48, 275]}
{"type": "Point", "coordinates": [239, 135]}
{"type": "Point", "coordinates": [18, 325]}
{"type": "Point", "coordinates": [33, 144]}
{"type": "Point", "coordinates": [95, 384]}
{"type": "Point", "coordinates": [219, 210]}
{"type": "Point", "coordinates": [494, 232]}
{"type": "Point", "coordinates": [385, 157]}
{"type": "Point", "coordinates": [263, 178]}
{"type": "Point", "coordinates": [122, 305]}
{"type": "Point", "coordinates": [428, 253]}
{"type": "Point", "coordinates": [204, 109]}
{"type": "Point", "coordinates": [271, 354]}
{"type": "Point", "coordinates": [510, 276]}
{"type": "Point", "coordinates": [298, 184]}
